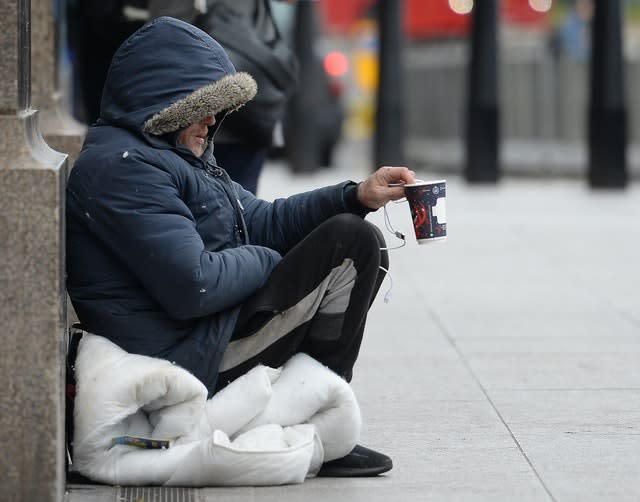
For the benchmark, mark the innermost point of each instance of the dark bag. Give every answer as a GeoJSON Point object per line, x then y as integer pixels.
{"type": "Point", "coordinates": [273, 66]}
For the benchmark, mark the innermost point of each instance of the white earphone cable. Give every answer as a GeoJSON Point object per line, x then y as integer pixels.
{"type": "Point", "coordinates": [399, 235]}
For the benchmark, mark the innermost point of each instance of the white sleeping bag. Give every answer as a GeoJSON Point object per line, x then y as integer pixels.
{"type": "Point", "coordinates": [269, 427]}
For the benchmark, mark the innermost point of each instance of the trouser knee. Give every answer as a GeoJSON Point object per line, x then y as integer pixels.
{"type": "Point", "coordinates": [352, 230]}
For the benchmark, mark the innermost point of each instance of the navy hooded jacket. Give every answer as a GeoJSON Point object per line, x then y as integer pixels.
{"type": "Point", "coordinates": [162, 247]}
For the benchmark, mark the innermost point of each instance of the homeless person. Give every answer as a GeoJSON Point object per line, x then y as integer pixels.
{"type": "Point", "coordinates": [167, 257]}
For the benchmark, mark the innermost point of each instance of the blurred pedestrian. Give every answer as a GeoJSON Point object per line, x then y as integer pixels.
{"type": "Point", "coordinates": [572, 38]}
{"type": "Point", "coordinates": [245, 28]}
{"type": "Point", "coordinates": [248, 32]}
{"type": "Point", "coordinates": [95, 30]}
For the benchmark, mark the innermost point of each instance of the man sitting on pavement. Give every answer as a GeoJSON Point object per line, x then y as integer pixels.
{"type": "Point", "coordinates": [167, 257]}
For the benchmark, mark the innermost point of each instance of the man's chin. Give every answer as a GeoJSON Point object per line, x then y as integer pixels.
{"type": "Point", "coordinates": [198, 150]}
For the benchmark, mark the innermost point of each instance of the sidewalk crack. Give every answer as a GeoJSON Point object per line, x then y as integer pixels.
{"type": "Point", "coordinates": [456, 348]}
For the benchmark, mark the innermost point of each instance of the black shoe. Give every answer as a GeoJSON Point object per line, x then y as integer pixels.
{"type": "Point", "coordinates": [361, 462]}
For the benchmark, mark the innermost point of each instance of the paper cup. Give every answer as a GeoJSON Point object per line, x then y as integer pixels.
{"type": "Point", "coordinates": [428, 211]}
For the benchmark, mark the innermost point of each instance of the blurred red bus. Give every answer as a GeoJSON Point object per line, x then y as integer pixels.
{"type": "Point", "coordinates": [432, 18]}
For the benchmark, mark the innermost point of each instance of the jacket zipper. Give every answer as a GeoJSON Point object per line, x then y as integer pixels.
{"type": "Point", "coordinates": [218, 172]}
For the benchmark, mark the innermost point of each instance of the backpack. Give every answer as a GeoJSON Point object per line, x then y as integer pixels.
{"type": "Point", "coordinates": [272, 64]}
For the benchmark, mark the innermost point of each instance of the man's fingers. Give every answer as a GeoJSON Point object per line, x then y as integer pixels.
{"type": "Point", "coordinates": [386, 184]}
{"type": "Point", "coordinates": [393, 175]}
{"type": "Point", "coordinates": [396, 193]}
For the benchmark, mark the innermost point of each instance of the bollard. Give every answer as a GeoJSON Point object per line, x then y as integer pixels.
{"type": "Point", "coordinates": [302, 146]}
{"type": "Point", "coordinates": [32, 298]}
{"type": "Point", "coordinates": [390, 131]}
{"type": "Point", "coordinates": [607, 113]}
{"type": "Point", "coordinates": [482, 155]}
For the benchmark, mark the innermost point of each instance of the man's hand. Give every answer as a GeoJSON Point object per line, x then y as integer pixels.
{"type": "Point", "coordinates": [375, 192]}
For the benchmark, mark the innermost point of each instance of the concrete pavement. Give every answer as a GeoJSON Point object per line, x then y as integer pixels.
{"type": "Point", "coordinates": [506, 365]}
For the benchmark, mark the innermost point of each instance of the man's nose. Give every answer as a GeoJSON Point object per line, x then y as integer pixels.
{"type": "Point", "coordinates": [209, 121]}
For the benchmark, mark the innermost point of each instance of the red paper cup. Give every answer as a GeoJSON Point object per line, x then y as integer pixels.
{"type": "Point", "coordinates": [428, 210]}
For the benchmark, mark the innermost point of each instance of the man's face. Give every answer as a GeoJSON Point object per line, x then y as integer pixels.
{"type": "Point", "coordinates": [194, 137]}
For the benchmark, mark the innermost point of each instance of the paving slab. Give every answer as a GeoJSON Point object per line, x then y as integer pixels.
{"type": "Point", "coordinates": [584, 443]}
{"type": "Point", "coordinates": [555, 362]}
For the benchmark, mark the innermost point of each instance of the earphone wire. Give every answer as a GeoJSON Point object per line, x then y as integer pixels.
{"type": "Point", "coordinates": [389, 227]}
{"type": "Point", "coordinates": [387, 295]}
{"type": "Point", "coordinates": [399, 235]}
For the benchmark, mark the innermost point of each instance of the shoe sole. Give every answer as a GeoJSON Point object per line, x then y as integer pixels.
{"type": "Point", "coordinates": [353, 473]}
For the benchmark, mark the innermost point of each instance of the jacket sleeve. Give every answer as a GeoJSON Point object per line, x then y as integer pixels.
{"type": "Point", "coordinates": [144, 222]}
{"type": "Point", "coordinates": [281, 224]}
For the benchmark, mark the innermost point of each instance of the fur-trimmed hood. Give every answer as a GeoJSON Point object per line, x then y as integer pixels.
{"type": "Point", "coordinates": [168, 75]}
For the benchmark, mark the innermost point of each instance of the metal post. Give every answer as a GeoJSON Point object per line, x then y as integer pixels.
{"type": "Point", "coordinates": [482, 156]}
{"type": "Point", "coordinates": [607, 113]}
{"type": "Point", "coordinates": [390, 130]}
{"type": "Point", "coordinates": [302, 145]}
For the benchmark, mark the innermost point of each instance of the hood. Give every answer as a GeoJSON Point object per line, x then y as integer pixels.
{"type": "Point", "coordinates": [168, 75]}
